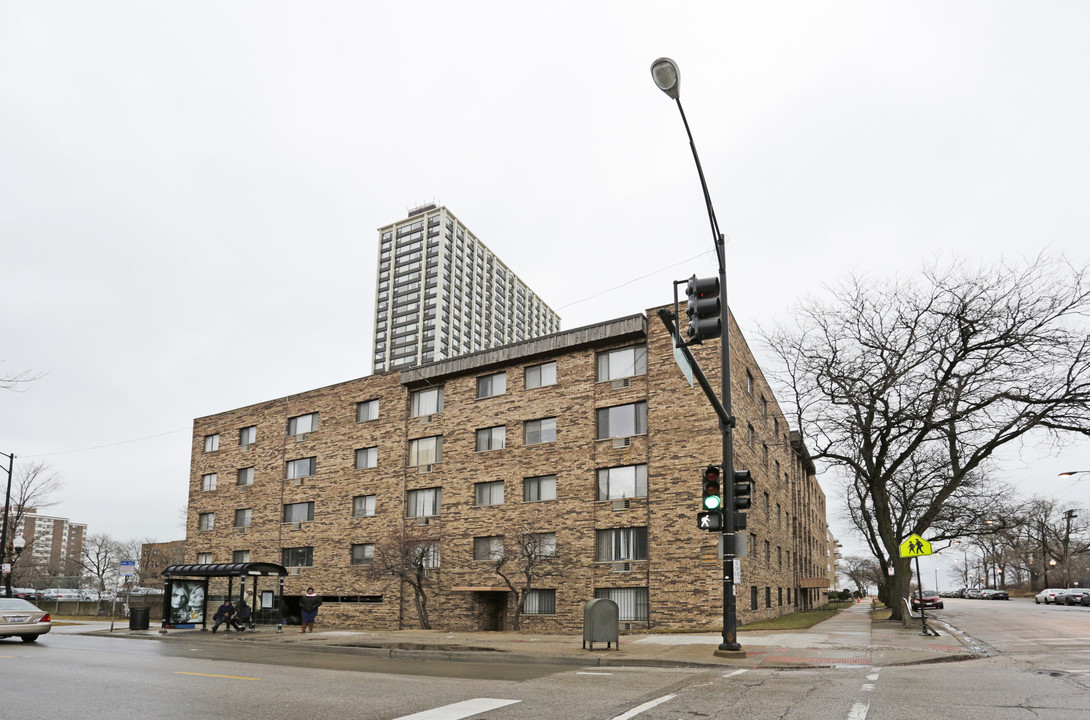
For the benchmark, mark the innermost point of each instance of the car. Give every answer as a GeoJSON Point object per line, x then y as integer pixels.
{"type": "Point", "coordinates": [25, 593]}
{"type": "Point", "coordinates": [1071, 596]}
{"type": "Point", "coordinates": [1047, 595]}
{"type": "Point", "coordinates": [1086, 599]}
{"type": "Point", "coordinates": [972, 593]}
{"type": "Point", "coordinates": [985, 593]}
{"type": "Point", "coordinates": [57, 594]}
{"type": "Point", "coordinates": [998, 595]}
{"type": "Point", "coordinates": [928, 598]}
{"type": "Point", "coordinates": [22, 619]}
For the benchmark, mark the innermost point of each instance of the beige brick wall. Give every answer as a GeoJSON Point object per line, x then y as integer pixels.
{"type": "Point", "coordinates": [682, 574]}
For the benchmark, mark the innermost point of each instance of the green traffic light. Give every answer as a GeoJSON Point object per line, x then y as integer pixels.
{"type": "Point", "coordinates": [712, 502]}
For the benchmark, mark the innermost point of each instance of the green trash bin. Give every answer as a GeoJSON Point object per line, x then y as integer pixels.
{"type": "Point", "coordinates": [138, 618]}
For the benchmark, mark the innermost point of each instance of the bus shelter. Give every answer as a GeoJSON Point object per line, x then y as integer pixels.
{"type": "Point", "coordinates": [193, 592]}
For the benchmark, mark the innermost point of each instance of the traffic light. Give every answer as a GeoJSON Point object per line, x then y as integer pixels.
{"type": "Point", "coordinates": [743, 487]}
{"type": "Point", "coordinates": [711, 521]}
{"type": "Point", "coordinates": [704, 309]}
{"type": "Point", "coordinates": [709, 485]}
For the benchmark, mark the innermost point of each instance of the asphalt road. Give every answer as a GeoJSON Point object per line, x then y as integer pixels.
{"type": "Point", "coordinates": [1038, 667]}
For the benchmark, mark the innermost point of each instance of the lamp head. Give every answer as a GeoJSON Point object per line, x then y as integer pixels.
{"type": "Point", "coordinates": [18, 544]}
{"type": "Point", "coordinates": [667, 76]}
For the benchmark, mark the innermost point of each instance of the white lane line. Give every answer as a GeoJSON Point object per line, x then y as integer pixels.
{"type": "Point", "coordinates": [646, 706]}
{"type": "Point", "coordinates": [459, 710]}
{"type": "Point", "coordinates": [868, 687]}
{"type": "Point", "coordinates": [736, 672]}
{"type": "Point", "coordinates": [873, 677]}
{"type": "Point", "coordinates": [584, 672]}
{"type": "Point", "coordinates": [859, 711]}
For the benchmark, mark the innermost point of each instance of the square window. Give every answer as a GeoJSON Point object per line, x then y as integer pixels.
{"type": "Point", "coordinates": [535, 489]}
{"type": "Point", "coordinates": [488, 493]}
{"type": "Point", "coordinates": [632, 603]}
{"type": "Point", "coordinates": [426, 451]}
{"type": "Point", "coordinates": [363, 553]}
{"type": "Point", "coordinates": [541, 545]}
{"type": "Point", "coordinates": [493, 438]}
{"type": "Point", "coordinates": [621, 544]}
{"type": "Point", "coordinates": [539, 431]}
{"type": "Point", "coordinates": [622, 363]}
{"type": "Point", "coordinates": [301, 468]}
{"type": "Point", "coordinates": [539, 602]}
{"type": "Point", "coordinates": [363, 506]}
{"type": "Point", "coordinates": [208, 481]}
{"type": "Point", "coordinates": [366, 458]}
{"type": "Point", "coordinates": [622, 421]}
{"type": "Point", "coordinates": [298, 557]}
{"type": "Point", "coordinates": [492, 385]}
{"type": "Point", "coordinates": [247, 435]}
{"type": "Point", "coordinates": [620, 483]}
{"type": "Point", "coordinates": [245, 476]}
{"type": "Point", "coordinates": [488, 548]}
{"type": "Point", "coordinates": [243, 517]}
{"type": "Point", "coordinates": [303, 424]}
{"type": "Point", "coordinates": [427, 402]}
{"type": "Point", "coordinates": [206, 521]}
{"type": "Point", "coordinates": [367, 410]}
{"type": "Point", "coordinates": [540, 375]}
{"type": "Point", "coordinates": [204, 558]}
{"type": "Point", "coordinates": [299, 512]}
{"type": "Point", "coordinates": [240, 556]}
{"type": "Point", "coordinates": [211, 443]}
{"type": "Point", "coordinates": [423, 503]}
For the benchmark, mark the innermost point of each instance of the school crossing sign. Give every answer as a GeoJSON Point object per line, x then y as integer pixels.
{"type": "Point", "coordinates": [914, 546]}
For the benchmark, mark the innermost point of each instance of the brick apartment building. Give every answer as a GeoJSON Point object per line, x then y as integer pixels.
{"type": "Point", "coordinates": [590, 440]}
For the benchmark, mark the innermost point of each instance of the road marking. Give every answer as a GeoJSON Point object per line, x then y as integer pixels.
{"type": "Point", "coordinates": [868, 687]}
{"type": "Point", "coordinates": [859, 711]}
{"type": "Point", "coordinates": [582, 672]}
{"type": "Point", "coordinates": [459, 710]}
{"type": "Point", "coordinates": [736, 672]}
{"type": "Point", "coordinates": [229, 677]}
{"type": "Point", "coordinates": [646, 706]}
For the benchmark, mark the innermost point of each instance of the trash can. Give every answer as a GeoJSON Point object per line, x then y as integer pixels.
{"type": "Point", "coordinates": [138, 618]}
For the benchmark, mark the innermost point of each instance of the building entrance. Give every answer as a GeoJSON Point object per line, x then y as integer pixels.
{"type": "Point", "coordinates": [491, 610]}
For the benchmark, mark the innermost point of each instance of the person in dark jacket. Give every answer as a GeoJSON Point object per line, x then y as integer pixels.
{"type": "Point", "coordinates": [308, 605]}
{"type": "Point", "coordinates": [242, 616]}
{"type": "Point", "coordinates": [224, 615]}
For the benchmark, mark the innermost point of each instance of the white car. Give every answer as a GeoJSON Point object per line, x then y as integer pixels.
{"type": "Point", "coordinates": [1046, 596]}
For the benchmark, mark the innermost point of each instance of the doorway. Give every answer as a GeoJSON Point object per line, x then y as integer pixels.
{"type": "Point", "coordinates": [491, 611]}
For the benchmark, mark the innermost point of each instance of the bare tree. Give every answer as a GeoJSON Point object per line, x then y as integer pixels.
{"type": "Point", "coordinates": [527, 557]}
{"type": "Point", "coordinates": [907, 389]}
{"type": "Point", "coordinates": [18, 382]}
{"type": "Point", "coordinates": [862, 572]}
{"type": "Point", "coordinates": [410, 558]}
{"type": "Point", "coordinates": [34, 486]}
{"type": "Point", "coordinates": [100, 559]}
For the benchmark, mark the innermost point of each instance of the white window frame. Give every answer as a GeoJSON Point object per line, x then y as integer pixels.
{"type": "Point", "coordinates": [541, 375]}
{"type": "Point", "coordinates": [212, 442]}
{"type": "Point", "coordinates": [209, 481]}
{"type": "Point", "coordinates": [366, 503]}
{"type": "Point", "coordinates": [247, 435]}
{"type": "Point", "coordinates": [622, 363]}
{"type": "Point", "coordinates": [492, 438]}
{"type": "Point", "coordinates": [426, 402]}
{"type": "Point", "coordinates": [492, 385]}
{"type": "Point", "coordinates": [296, 470]}
{"type": "Point", "coordinates": [539, 432]}
{"type": "Point", "coordinates": [424, 502]}
{"type": "Point", "coordinates": [303, 424]}
{"type": "Point", "coordinates": [622, 483]}
{"type": "Point", "coordinates": [619, 419]}
{"type": "Point", "coordinates": [367, 411]}
{"type": "Point", "coordinates": [488, 493]}
{"type": "Point", "coordinates": [206, 521]}
{"type": "Point", "coordinates": [204, 558]}
{"type": "Point", "coordinates": [367, 458]}
{"type": "Point", "coordinates": [533, 486]}
{"type": "Point", "coordinates": [423, 452]}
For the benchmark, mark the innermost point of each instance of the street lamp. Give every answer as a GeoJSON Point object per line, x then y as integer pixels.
{"type": "Point", "coordinates": [4, 529]}
{"type": "Point", "coordinates": [667, 77]}
{"type": "Point", "coordinates": [1069, 473]}
{"type": "Point", "coordinates": [1051, 564]}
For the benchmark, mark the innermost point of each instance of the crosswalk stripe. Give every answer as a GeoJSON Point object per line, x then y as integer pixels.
{"type": "Point", "coordinates": [646, 706]}
{"type": "Point", "coordinates": [458, 710]}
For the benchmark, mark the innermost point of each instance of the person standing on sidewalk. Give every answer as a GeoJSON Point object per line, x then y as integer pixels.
{"type": "Point", "coordinates": [308, 605]}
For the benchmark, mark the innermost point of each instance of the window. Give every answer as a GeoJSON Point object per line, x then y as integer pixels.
{"type": "Point", "coordinates": [247, 435]}
{"type": "Point", "coordinates": [631, 602]}
{"type": "Point", "coordinates": [363, 553]}
{"type": "Point", "coordinates": [488, 548]}
{"type": "Point", "coordinates": [206, 521]}
{"type": "Point", "coordinates": [426, 451]}
{"type": "Point", "coordinates": [542, 545]}
{"type": "Point", "coordinates": [766, 503]}
{"type": "Point", "coordinates": [622, 421]}
{"type": "Point", "coordinates": [619, 364]}
{"type": "Point", "coordinates": [751, 435]}
{"type": "Point", "coordinates": [493, 438]}
{"type": "Point", "coordinates": [367, 410]}
{"type": "Point", "coordinates": [363, 506]}
{"type": "Point", "coordinates": [768, 597]}
{"type": "Point", "coordinates": [211, 443]}
{"type": "Point", "coordinates": [303, 424]}
{"type": "Point", "coordinates": [427, 553]}
{"type": "Point", "coordinates": [779, 560]}
{"type": "Point", "coordinates": [622, 482]}
{"type": "Point", "coordinates": [303, 467]}
{"type": "Point", "coordinates": [749, 383]}
{"type": "Point", "coordinates": [540, 431]}
{"type": "Point", "coordinates": [488, 493]}
{"type": "Point", "coordinates": [539, 602]}
{"type": "Point", "coordinates": [297, 557]}
{"type": "Point", "coordinates": [366, 458]}
{"type": "Point", "coordinates": [299, 512]}
{"type": "Point", "coordinates": [204, 558]}
{"type": "Point", "coordinates": [768, 552]}
{"type": "Point", "coordinates": [540, 375]}
{"type": "Point", "coordinates": [535, 489]}
{"type": "Point", "coordinates": [423, 503]}
{"type": "Point", "coordinates": [622, 544]}
{"type": "Point", "coordinates": [492, 385]}
{"type": "Point", "coordinates": [243, 517]}
{"type": "Point", "coordinates": [208, 481]}
{"type": "Point", "coordinates": [245, 476]}
{"type": "Point", "coordinates": [752, 597]}
{"type": "Point", "coordinates": [427, 402]}
{"type": "Point", "coordinates": [240, 556]}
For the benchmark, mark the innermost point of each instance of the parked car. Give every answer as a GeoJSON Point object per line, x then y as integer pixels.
{"type": "Point", "coordinates": [53, 594]}
{"type": "Point", "coordinates": [1071, 596]}
{"type": "Point", "coordinates": [22, 619]}
{"type": "Point", "coordinates": [998, 595]}
{"type": "Point", "coordinates": [29, 594]}
{"type": "Point", "coordinates": [926, 598]}
{"type": "Point", "coordinates": [1046, 596]}
{"type": "Point", "coordinates": [972, 593]}
{"type": "Point", "coordinates": [1086, 599]}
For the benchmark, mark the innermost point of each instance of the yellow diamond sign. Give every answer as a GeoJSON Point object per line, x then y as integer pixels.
{"type": "Point", "coordinates": [914, 546]}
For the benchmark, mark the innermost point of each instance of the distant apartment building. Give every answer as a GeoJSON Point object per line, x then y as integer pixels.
{"type": "Point", "coordinates": [590, 442]}
{"type": "Point", "coordinates": [54, 543]}
{"type": "Point", "coordinates": [156, 557]}
{"type": "Point", "coordinates": [441, 293]}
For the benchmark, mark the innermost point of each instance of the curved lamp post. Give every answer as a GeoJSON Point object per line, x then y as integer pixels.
{"type": "Point", "coordinates": [667, 77]}
{"type": "Point", "coordinates": [1069, 473]}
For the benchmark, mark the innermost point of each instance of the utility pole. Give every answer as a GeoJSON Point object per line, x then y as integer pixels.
{"type": "Point", "coordinates": [1068, 517]}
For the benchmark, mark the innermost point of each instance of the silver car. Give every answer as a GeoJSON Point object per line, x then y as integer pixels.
{"type": "Point", "coordinates": [19, 618]}
{"type": "Point", "coordinates": [1047, 595]}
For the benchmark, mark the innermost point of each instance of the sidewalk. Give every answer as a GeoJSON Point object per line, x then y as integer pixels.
{"type": "Point", "coordinates": [847, 639]}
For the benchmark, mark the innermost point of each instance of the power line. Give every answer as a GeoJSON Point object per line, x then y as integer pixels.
{"type": "Point", "coordinates": [643, 277]}
{"type": "Point", "coordinates": [99, 447]}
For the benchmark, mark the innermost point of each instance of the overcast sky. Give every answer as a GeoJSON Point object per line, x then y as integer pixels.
{"type": "Point", "coordinates": [190, 192]}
